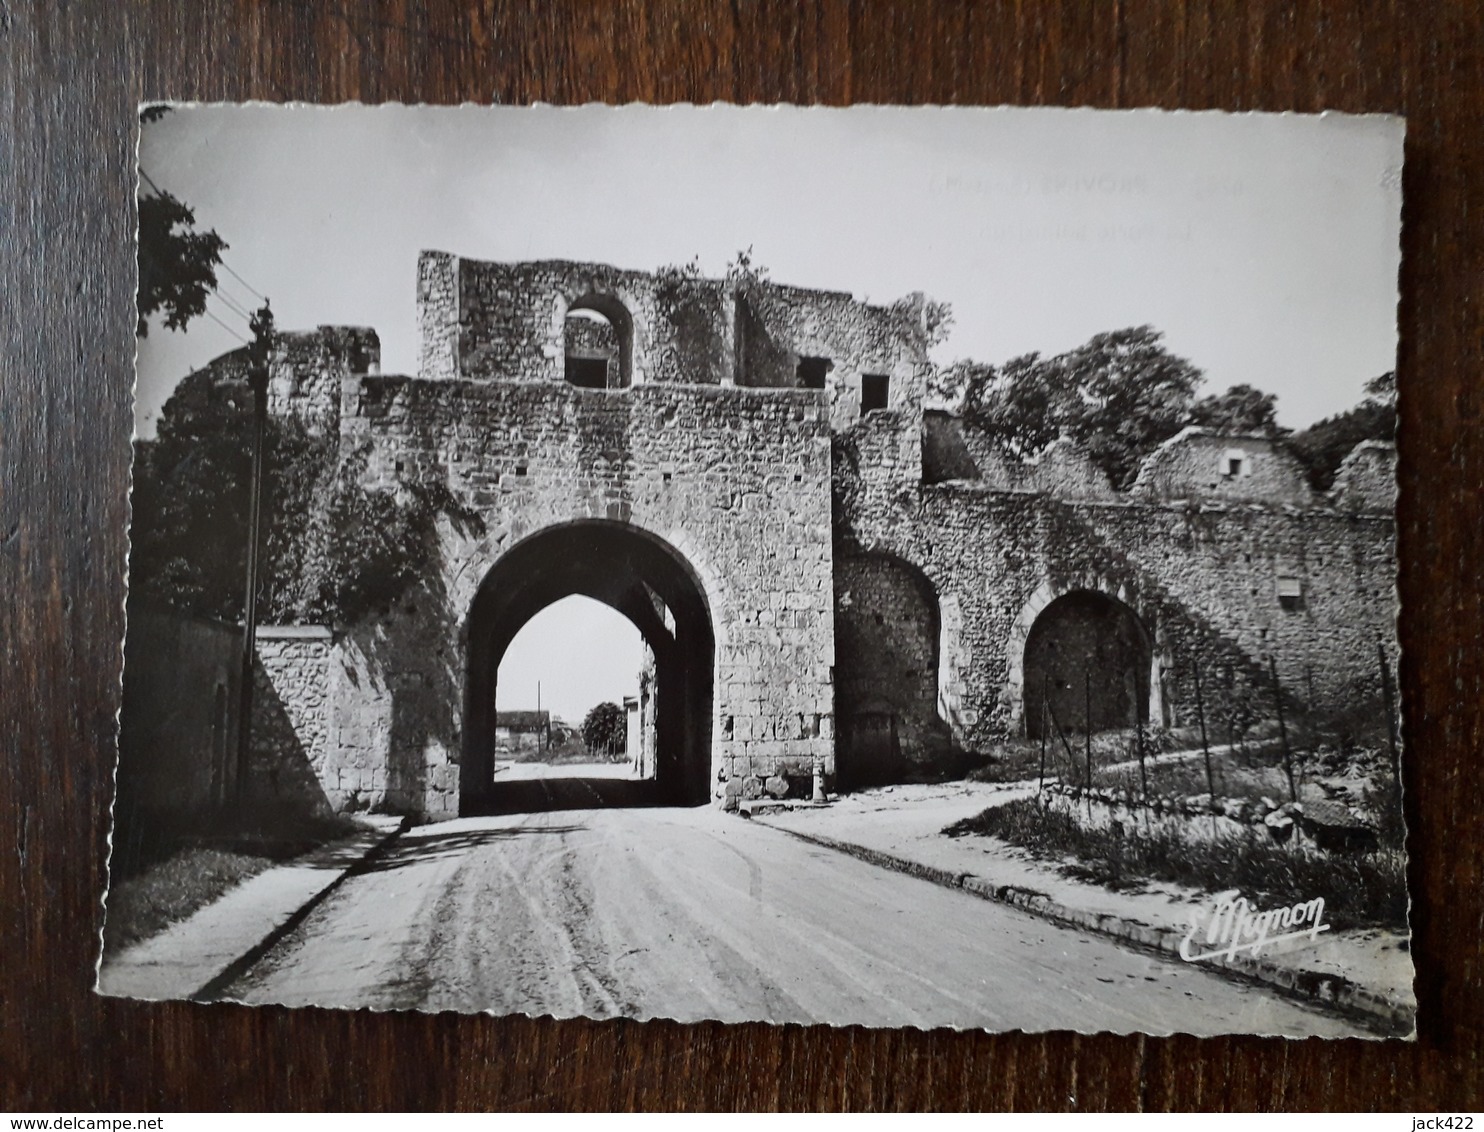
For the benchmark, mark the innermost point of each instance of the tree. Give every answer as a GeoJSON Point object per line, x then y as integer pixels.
{"type": "Point", "coordinates": [1134, 395]}
{"type": "Point", "coordinates": [1324, 445]}
{"type": "Point", "coordinates": [928, 320]}
{"type": "Point", "coordinates": [188, 533]}
{"type": "Point", "coordinates": [1242, 410]}
{"type": "Point", "coordinates": [177, 263]}
{"type": "Point", "coordinates": [605, 730]}
{"type": "Point", "coordinates": [1120, 394]}
{"type": "Point", "coordinates": [333, 549]}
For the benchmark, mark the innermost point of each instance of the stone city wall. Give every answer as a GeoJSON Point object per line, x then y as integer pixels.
{"type": "Point", "coordinates": [291, 760]}
{"type": "Point", "coordinates": [1206, 578]}
{"type": "Point", "coordinates": [909, 541]}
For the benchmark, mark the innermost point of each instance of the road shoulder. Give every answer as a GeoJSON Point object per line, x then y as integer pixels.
{"type": "Point", "coordinates": [187, 959]}
{"type": "Point", "coordinates": [1363, 974]}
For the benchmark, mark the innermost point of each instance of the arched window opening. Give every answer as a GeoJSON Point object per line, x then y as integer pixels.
{"type": "Point", "coordinates": [597, 340]}
{"type": "Point", "coordinates": [1087, 666]}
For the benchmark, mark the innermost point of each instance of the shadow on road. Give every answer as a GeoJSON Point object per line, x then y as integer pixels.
{"type": "Point", "coordinates": [431, 847]}
{"type": "Point", "coordinates": [538, 795]}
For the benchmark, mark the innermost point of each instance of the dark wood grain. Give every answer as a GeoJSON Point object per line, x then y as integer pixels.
{"type": "Point", "coordinates": [70, 76]}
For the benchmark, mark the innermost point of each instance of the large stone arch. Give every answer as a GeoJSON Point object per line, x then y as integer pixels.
{"type": "Point", "coordinates": [1099, 632]}
{"type": "Point", "coordinates": [649, 582]}
{"type": "Point", "coordinates": [888, 650]}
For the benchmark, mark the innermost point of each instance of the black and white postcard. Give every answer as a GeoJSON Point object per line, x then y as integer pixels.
{"type": "Point", "coordinates": [886, 566]}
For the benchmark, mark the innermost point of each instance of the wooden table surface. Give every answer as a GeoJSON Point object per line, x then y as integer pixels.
{"type": "Point", "coordinates": [71, 74]}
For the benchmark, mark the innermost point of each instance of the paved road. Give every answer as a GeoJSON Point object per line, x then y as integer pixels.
{"type": "Point", "coordinates": [694, 914]}
{"type": "Point", "coordinates": [506, 771]}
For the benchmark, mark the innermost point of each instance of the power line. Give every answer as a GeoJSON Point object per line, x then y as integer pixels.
{"type": "Point", "coordinates": [240, 305]}
{"type": "Point", "coordinates": [232, 306]}
{"type": "Point", "coordinates": [227, 267]}
{"type": "Point", "coordinates": [231, 309]}
{"type": "Point", "coordinates": [227, 328]}
{"type": "Point", "coordinates": [243, 281]}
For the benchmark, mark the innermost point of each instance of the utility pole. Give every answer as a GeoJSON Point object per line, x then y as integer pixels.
{"type": "Point", "coordinates": [259, 353]}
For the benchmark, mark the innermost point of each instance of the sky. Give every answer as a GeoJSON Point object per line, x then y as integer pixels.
{"type": "Point", "coordinates": [1265, 247]}
{"type": "Point", "coordinates": [580, 651]}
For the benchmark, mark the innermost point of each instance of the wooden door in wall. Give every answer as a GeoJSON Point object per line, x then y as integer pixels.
{"type": "Point", "coordinates": [875, 754]}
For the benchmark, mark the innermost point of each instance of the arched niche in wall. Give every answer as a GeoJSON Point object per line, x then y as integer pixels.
{"type": "Point", "coordinates": [887, 630]}
{"type": "Point", "coordinates": [1087, 666]}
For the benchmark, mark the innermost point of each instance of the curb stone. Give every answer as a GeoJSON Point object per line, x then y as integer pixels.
{"type": "Point", "coordinates": [1334, 992]}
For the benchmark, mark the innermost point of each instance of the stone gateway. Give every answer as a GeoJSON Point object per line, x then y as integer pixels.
{"type": "Point", "coordinates": [827, 575]}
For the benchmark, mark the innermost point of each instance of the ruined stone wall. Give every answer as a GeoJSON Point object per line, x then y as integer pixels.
{"type": "Point", "coordinates": [1195, 464]}
{"type": "Point", "coordinates": [1203, 578]}
{"type": "Point", "coordinates": [307, 367]}
{"type": "Point", "coordinates": [512, 316]}
{"type": "Point", "coordinates": [783, 324]}
{"type": "Point", "coordinates": [1366, 479]}
{"type": "Point", "coordinates": [735, 480]}
{"type": "Point", "coordinates": [177, 732]}
{"type": "Point", "coordinates": [692, 339]}
{"type": "Point", "coordinates": [438, 315]}
{"type": "Point", "coordinates": [291, 760]}
{"type": "Point", "coordinates": [886, 644]}
{"type": "Point", "coordinates": [485, 320]}
{"type": "Point", "coordinates": [955, 449]}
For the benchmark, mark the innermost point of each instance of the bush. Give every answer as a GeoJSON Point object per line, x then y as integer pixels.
{"type": "Point", "coordinates": [1359, 889]}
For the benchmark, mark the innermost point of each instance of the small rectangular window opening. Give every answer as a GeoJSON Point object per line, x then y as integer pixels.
{"type": "Point", "coordinates": [813, 371]}
{"type": "Point", "coordinates": [587, 373]}
{"type": "Point", "coordinates": [1290, 592]}
{"type": "Point", "coordinates": [875, 392]}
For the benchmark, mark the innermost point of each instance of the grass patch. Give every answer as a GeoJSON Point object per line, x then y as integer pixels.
{"type": "Point", "coordinates": [172, 890]}
{"type": "Point", "coordinates": [186, 863]}
{"type": "Point", "coordinates": [1359, 889]}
